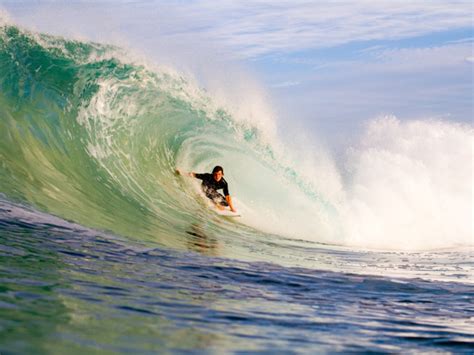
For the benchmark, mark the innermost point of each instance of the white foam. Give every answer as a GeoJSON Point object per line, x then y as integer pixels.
{"type": "Point", "coordinates": [410, 186]}
{"type": "Point", "coordinates": [406, 186]}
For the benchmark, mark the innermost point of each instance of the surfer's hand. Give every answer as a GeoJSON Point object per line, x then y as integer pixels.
{"type": "Point", "coordinates": [233, 209]}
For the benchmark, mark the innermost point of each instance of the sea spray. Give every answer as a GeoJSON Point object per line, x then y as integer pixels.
{"type": "Point", "coordinates": [410, 185]}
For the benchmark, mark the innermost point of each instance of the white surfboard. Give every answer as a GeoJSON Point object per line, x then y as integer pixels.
{"type": "Point", "coordinates": [227, 213]}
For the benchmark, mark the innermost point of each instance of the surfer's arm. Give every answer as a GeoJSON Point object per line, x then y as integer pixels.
{"type": "Point", "coordinates": [229, 202]}
{"type": "Point", "coordinates": [190, 174]}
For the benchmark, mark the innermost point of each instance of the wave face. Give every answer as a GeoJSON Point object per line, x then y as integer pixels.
{"type": "Point", "coordinates": [93, 137]}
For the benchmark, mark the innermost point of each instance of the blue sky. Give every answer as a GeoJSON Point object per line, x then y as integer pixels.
{"type": "Point", "coordinates": [327, 66]}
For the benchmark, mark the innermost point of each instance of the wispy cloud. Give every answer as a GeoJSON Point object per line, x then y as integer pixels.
{"type": "Point", "coordinates": [442, 57]}
{"type": "Point", "coordinates": [255, 28]}
{"type": "Point", "coordinates": [464, 40]}
{"type": "Point", "coordinates": [409, 82]}
{"type": "Point", "coordinates": [285, 84]}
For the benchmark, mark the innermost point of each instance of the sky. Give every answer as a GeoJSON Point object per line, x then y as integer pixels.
{"type": "Point", "coordinates": [325, 66]}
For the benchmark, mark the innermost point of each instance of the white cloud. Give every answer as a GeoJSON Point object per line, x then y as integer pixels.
{"type": "Point", "coordinates": [422, 59]}
{"type": "Point", "coordinates": [255, 27]}
{"type": "Point", "coordinates": [285, 84]}
{"type": "Point", "coordinates": [409, 82]}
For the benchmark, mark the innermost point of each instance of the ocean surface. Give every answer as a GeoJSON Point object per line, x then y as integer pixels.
{"type": "Point", "coordinates": [104, 249]}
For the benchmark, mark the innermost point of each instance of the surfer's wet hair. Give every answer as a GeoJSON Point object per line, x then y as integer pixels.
{"type": "Point", "coordinates": [217, 168]}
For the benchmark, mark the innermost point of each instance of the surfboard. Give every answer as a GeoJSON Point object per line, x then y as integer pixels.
{"type": "Point", "coordinates": [227, 213]}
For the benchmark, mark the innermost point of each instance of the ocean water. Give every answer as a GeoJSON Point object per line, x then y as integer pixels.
{"type": "Point", "coordinates": [105, 250]}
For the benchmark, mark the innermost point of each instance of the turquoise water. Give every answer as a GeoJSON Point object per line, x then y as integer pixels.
{"type": "Point", "coordinates": [105, 249]}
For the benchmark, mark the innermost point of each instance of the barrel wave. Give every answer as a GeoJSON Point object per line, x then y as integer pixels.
{"type": "Point", "coordinates": [93, 137]}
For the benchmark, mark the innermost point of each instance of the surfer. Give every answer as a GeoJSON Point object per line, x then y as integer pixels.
{"type": "Point", "coordinates": [211, 183]}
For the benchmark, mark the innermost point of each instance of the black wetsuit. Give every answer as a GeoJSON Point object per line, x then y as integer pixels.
{"type": "Point", "coordinates": [210, 186]}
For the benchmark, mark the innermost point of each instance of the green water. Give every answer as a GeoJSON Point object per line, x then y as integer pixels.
{"type": "Point", "coordinates": [95, 139]}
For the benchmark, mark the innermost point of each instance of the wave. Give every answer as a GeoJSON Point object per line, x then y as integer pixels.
{"type": "Point", "coordinates": [94, 137]}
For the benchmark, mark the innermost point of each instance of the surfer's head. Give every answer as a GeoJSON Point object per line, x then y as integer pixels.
{"type": "Point", "coordinates": [218, 173]}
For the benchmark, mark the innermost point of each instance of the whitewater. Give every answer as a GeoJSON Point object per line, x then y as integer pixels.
{"type": "Point", "coordinates": [105, 249]}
